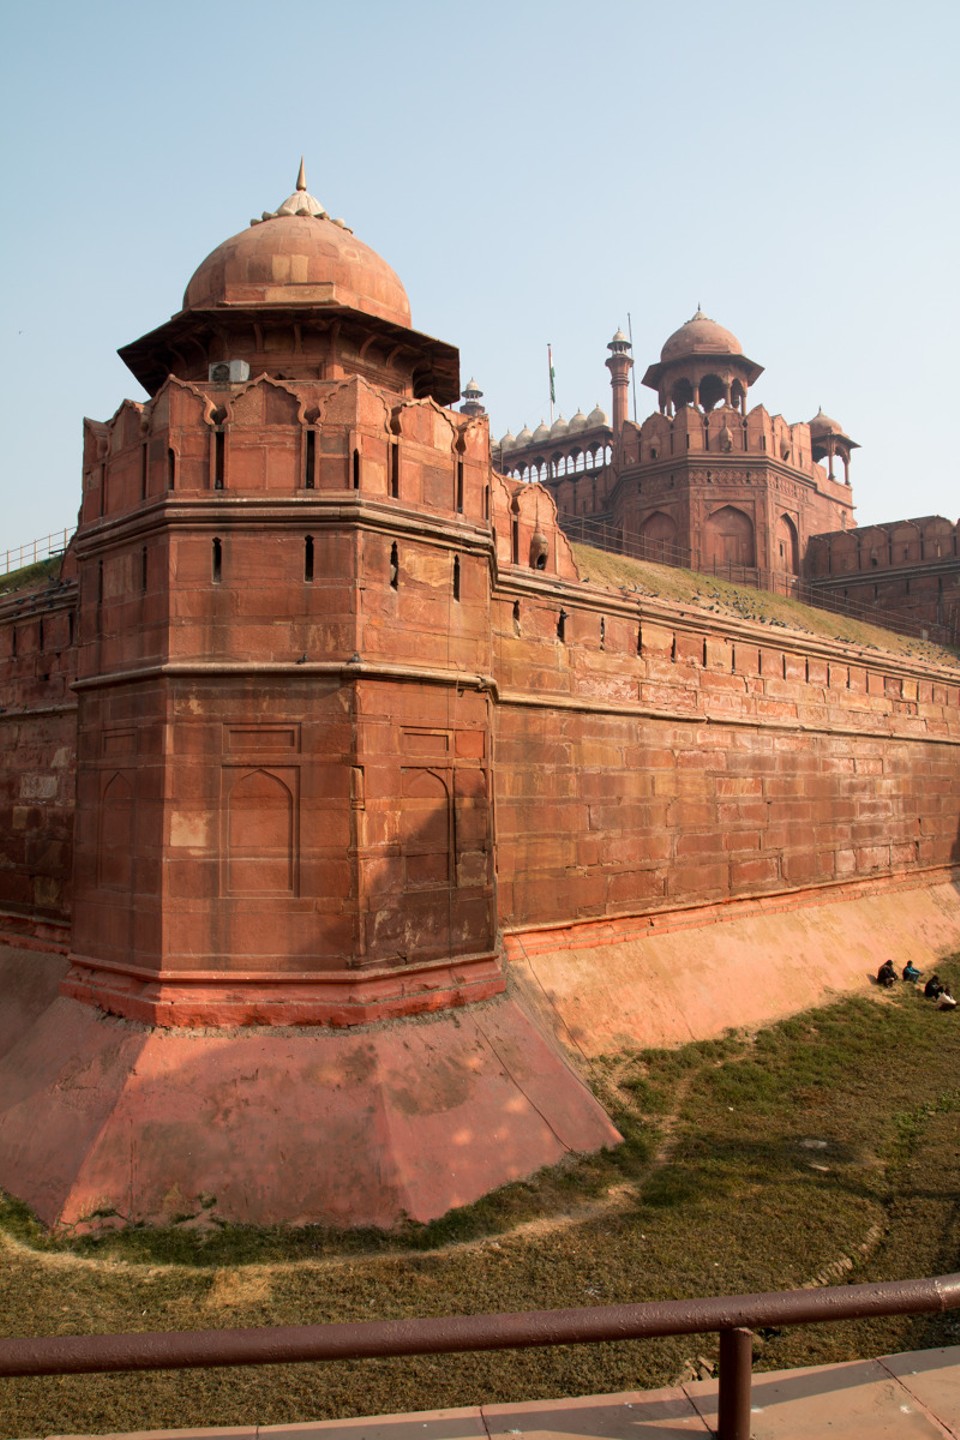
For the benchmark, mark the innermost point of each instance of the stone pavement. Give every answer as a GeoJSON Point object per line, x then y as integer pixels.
{"type": "Point", "coordinates": [903, 1397]}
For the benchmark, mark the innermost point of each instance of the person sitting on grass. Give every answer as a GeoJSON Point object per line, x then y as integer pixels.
{"type": "Point", "coordinates": [886, 975]}
{"type": "Point", "coordinates": [945, 1000]}
{"type": "Point", "coordinates": [911, 973]}
{"type": "Point", "coordinates": [933, 989]}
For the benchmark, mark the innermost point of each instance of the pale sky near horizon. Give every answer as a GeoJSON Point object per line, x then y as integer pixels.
{"type": "Point", "coordinates": [532, 171]}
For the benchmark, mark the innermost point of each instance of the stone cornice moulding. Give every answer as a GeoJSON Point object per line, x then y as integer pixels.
{"type": "Point", "coordinates": [209, 513]}
{"type": "Point", "coordinates": [344, 669]}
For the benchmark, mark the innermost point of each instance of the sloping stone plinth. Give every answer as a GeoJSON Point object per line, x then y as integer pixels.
{"type": "Point", "coordinates": [102, 1116]}
{"type": "Point", "coordinates": [691, 974]}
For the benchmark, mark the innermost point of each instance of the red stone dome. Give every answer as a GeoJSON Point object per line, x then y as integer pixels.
{"type": "Point", "coordinates": [298, 259]}
{"type": "Point", "coordinates": [700, 336]}
{"type": "Point", "coordinates": [824, 425]}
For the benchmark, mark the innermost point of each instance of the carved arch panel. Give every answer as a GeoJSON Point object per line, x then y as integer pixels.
{"type": "Point", "coordinates": [261, 823]}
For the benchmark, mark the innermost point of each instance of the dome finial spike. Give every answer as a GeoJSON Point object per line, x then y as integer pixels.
{"type": "Point", "coordinates": [302, 176]}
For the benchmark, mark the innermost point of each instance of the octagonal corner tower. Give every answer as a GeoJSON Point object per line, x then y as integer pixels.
{"type": "Point", "coordinates": [284, 762]}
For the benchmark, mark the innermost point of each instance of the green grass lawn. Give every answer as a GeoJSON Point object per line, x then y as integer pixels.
{"type": "Point", "coordinates": [824, 1149]}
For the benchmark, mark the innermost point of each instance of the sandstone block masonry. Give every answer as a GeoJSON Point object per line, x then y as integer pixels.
{"type": "Point", "coordinates": [573, 752]}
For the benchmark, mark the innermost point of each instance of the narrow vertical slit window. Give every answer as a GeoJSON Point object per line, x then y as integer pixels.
{"type": "Point", "coordinates": [356, 469]}
{"type": "Point", "coordinates": [40, 644]}
{"type": "Point", "coordinates": [143, 570]}
{"type": "Point", "coordinates": [459, 487]}
{"type": "Point", "coordinates": [171, 469]}
{"type": "Point", "coordinates": [71, 626]}
{"type": "Point", "coordinates": [219, 456]}
{"type": "Point", "coordinates": [309, 480]}
{"type": "Point", "coordinates": [486, 502]}
{"type": "Point", "coordinates": [562, 627]}
{"type": "Point", "coordinates": [456, 577]}
{"type": "Point", "coordinates": [515, 541]}
{"type": "Point", "coordinates": [603, 633]}
{"type": "Point", "coordinates": [516, 618]}
{"type": "Point", "coordinates": [395, 470]}
{"type": "Point", "coordinates": [13, 643]}
{"type": "Point", "coordinates": [639, 639]}
{"type": "Point", "coordinates": [217, 559]}
{"type": "Point", "coordinates": [394, 567]}
{"type": "Point", "coordinates": [308, 559]}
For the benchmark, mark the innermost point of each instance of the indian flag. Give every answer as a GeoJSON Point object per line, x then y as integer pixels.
{"type": "Point", "coordinates": [553, 376]}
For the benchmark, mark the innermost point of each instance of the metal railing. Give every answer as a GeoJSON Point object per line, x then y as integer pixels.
{"type": "Point", "coordinates": [604, 535]}
{"type": "Point", "coordinates": [35, 550]}
{"type": "Point", "coordinates": [733, 1316]}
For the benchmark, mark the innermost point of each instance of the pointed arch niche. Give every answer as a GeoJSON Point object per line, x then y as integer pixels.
{"type": "Point", "coordinates": [658, 534]}
{"type": "Point", "coordinates": [425, 830]}
{"type": "Point", "coordinates": [729, 538]}
{"type": "Point", "coordinates": [115, 841]}
{"type": "Point", "coordinates": [261, 823]}
{"type": "Point", "coordinates": [786, 546]}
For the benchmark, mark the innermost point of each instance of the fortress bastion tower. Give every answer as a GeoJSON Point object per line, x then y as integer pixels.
{"type": "Point", "coordinates": [283, 824]}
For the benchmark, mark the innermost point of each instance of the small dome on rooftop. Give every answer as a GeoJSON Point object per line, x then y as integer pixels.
{"type": "Point", "coordinates": [824, 425]}
{"type": "Point", "coordinates": [559, 427]}
{"type": "Point", "coordinates": [577, 422]}
{"type": "Point", "coordinates": [700, 336]}
{"type": "Point", "coordinates": [541, 433]}
{"type": "Point", "coordinates": [597, 416]}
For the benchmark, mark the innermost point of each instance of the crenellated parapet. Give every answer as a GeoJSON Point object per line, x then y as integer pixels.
{"type": "Point", "coordinates": [897, 544]}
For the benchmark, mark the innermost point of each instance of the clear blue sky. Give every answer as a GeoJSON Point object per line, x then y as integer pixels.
{"type": "Point", "coordinates": [532, 171]}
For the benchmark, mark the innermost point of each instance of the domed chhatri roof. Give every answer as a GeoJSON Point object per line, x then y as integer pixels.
{"type": "Point", "coordinates": [700, 336]}
{"type": "Point", "coordinates": [577, 422]}
{"type": "Point", "coordinates": [559, 427]}
{"type": "Point", "coordinates": [297, 255]}
{"type": "Point", "coordinates": [597, 417]}
{"type": "Point", "coordinates": [541, 433]}
{"type": "Point", "coordinates": [823, 425]}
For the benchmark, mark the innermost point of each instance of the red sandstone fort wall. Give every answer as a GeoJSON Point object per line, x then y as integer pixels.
{"type": "Point", "coordinates": [649, 761]}
{"type": "Point", "coordinates": [38, 755]}
{"type": "Point", "coordinates": [283, 773]}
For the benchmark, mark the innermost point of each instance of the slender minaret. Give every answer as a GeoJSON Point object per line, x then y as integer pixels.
{"type": "Point", "coordinates": [620, 363]}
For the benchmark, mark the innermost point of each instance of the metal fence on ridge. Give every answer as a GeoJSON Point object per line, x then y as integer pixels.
{"type": "Point", "coordinates": [35, 550]}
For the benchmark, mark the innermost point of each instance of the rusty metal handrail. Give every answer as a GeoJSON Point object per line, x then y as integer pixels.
{"type": "Point", "coordinates": [734, 1316]}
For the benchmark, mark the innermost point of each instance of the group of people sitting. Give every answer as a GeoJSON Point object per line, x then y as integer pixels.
{"type": "Point", "coordinates": [935, 989]}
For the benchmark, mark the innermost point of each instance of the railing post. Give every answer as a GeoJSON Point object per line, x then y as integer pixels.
{"type": "Point", "coordinates": [736, 1364]}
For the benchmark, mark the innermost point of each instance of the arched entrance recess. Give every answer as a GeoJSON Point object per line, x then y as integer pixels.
{"type": "Point", "coordinates": [729, 538]}
{"type": "Point", "coordinates": [658, 536]}
{"type": "Point", "coordinates": [786, 546]}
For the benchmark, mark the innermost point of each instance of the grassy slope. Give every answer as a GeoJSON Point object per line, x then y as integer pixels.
{"type": "Point", "coordinates": [30, 577]}
{"type": "Point", "coordinates": [717, 1190]}
{"type": "Point", "coordinates": [706, 592]}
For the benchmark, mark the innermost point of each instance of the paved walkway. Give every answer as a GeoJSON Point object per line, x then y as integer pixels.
{"type": "Point", "coordinates": [903, 1397]}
